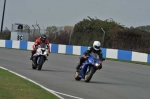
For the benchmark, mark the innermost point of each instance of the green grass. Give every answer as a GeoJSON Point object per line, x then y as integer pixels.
{"type": "Point", "coordinates": [15, 87]}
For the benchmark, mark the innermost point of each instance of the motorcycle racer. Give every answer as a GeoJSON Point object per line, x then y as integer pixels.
{"type": "Point", "coordinates": [95, 49]}
{"type": "Point", "coordinates": [42, 39]}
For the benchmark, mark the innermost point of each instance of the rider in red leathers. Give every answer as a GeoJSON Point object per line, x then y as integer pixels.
{"type": "Point", "coordinates": [42, 39]}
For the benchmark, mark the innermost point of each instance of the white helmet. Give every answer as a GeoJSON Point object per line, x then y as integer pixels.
{"type": "Point", "coordinates": [96, 45]}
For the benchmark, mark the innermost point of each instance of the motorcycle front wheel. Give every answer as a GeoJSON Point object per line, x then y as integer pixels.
{"type": "Point", "coordinates": [89, 75]}
{"type": "Point", "coordinates": [40, 64]}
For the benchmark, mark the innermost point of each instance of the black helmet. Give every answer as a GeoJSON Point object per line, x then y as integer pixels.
{"type": "Point", "coordinates": [43, 38]}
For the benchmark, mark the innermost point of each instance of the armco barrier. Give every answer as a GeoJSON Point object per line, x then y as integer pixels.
{"type": "Point", "coordinates": [78, 50]}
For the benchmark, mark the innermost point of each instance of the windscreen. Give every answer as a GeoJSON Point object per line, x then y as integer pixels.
{"type": "Point", "coordinates": [43, 45]}
{"type": "Point", "coordinates": [95, 56]}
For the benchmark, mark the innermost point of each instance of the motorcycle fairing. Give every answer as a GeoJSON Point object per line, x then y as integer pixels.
{"type": "Point", "coordinates": [85, 68]}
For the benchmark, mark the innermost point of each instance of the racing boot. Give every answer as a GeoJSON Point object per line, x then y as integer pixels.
{"type": "Point", "coordinates": [46, 58]}
{"type": "Point", "coordinates": [80, 63]}
{"type": "Point", "coordinates": [32, 53]}
{"type": "Point", "coordinates": [78, 67]}
{"type": "Point", "coordinates": [100, 67]}
{"type": "Point", "coordinates": [31, 57]}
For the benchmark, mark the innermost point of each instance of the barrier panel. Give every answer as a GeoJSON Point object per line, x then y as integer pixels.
{"type": "Point", "coordinates": [78, 50]}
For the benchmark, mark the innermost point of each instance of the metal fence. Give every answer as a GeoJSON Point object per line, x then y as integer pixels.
{"type": "Point", "coordinates": [35, 33]}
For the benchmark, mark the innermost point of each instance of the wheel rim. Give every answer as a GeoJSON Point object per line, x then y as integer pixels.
{"type": "Point", "coordinates": [76, 74]}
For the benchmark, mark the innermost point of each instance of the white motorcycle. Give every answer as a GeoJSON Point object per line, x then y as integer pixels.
{"type": "Point", "coordinates": [40, 56]}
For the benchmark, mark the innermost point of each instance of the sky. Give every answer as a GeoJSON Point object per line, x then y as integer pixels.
{"type": "Point", "coordinates": [69, 12]}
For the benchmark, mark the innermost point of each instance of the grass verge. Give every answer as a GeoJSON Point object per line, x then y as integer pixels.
{"type": "Point", "coordinates": [15, 87]}
{"type": "Point", "coordinates": [135, 62]}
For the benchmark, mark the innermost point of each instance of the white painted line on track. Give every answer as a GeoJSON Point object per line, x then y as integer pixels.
{"type": "Point", "coordinates": [49, 90]}
{"type": "Point", "coordinates": [68, 95]}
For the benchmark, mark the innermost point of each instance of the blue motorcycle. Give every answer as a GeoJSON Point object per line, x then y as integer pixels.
{"type": "Point", "coordinates": [88, 68]}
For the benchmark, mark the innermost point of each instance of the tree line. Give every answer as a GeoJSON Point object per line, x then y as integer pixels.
{"type": "Point", "coordinates": [116, 36]}
{"type": "Point", "coordinates": [84, 32]}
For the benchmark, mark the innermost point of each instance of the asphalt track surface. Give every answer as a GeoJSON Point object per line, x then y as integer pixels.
{"type": "Point", "coordinates": [116, 80]}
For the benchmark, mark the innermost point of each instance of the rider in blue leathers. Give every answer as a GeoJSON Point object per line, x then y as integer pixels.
{"type": "Point", "coordinates": [95, 49]}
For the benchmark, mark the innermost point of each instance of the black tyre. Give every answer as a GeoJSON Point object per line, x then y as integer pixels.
{"type": "Point", "coordinates": [33, 66]}
{"type": "Point", "coordinates": [40, 63]}
{"type": "Point", "coordinates": [89, 75]}
{"type": "Point", "coordinates": [77, 76]}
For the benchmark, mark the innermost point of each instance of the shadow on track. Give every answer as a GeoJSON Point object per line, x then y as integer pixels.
{"type": "Point", "coordinates": [108, 83]}
{"type": "Point", "coordinates": [97, 82]}
{"type": "Point", "coordinates": [54, 70]}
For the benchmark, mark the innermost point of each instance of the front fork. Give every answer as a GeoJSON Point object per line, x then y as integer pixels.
{"type": "Point", "coordinates": [38, 60]}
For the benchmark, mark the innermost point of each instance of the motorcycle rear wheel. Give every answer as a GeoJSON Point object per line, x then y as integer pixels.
{"type": "Point", "coordinates": [77, 76]}
{"type": "Point", "coordinates": [33, 67]}
{"type": "Point", "coordinates": [33, 64]}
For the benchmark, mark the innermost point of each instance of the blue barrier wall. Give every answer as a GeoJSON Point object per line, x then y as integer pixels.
{"type": "Point", "coordinates": [79, 50]}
